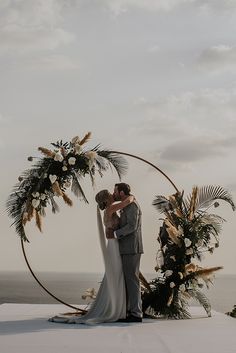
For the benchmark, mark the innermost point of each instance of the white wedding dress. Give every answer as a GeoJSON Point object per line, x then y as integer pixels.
{"type": "Point", "coordinates": [110, 302]}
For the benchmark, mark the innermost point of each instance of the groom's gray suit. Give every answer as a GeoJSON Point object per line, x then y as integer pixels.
{"type": "Point", "coordinates": [129, 236]}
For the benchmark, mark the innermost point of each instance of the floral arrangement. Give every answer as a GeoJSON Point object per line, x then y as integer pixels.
{"type": "Point", "coordinates": [60, 169]}
{"type": "Point", "coordinates": [188, 231]}
{"type": "Point", "coordinates": [233, 312]}
{"type": "Point", "coordinates": [89, 293]}
{"type": "Point", "coordinates": [188, 228]}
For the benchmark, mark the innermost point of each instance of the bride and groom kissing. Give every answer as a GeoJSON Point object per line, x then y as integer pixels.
{"type": "Point", "coordinates": [119, 295]}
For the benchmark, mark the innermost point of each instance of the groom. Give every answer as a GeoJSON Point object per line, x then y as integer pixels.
{"type": "Point", "coordinates": [129, 236]}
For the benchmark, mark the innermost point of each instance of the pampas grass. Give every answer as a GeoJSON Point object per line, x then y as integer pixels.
{"type": "Point", "coordinates": [67, 200]}
{"type": "Point", "coordinates": [38, 220]}
{"type": "Point", "coordinates": [46, 152]}
{"type": "Point", "coordinates": [85, 138]}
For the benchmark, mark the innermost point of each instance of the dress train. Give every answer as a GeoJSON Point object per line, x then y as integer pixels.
{"type": "Point", "coordinates": [110, 302]}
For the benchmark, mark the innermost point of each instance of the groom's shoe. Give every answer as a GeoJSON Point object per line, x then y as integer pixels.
{"type": "Point", "coordinates": [131, 318]}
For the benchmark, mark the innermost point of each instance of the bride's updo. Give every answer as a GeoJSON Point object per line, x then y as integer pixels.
{"type": "Point", "coordinates": [101, 199]}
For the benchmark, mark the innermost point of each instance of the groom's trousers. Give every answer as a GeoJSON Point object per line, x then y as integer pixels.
{"type": "Point", "coordinates": [131, 264]}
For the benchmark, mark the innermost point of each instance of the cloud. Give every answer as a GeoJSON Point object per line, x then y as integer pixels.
{"type": "Point", "coordinates": [189, 114]}
{"type": "Point", "coordinates": [218, 59]}
{"type": "Point", "coordinates": [192, 127]}
{"type": "Point", "coordinates": [216, 4]}
{"type": "Point", "coordinates": [231, 187]}
{"type": "Point", "coordinates": [3, 124]}
{"type": "Point", "coordinates": [154, 48]}
{"type": "Point", "coordinates": [182, 155]}
{"type": "Point", "coordinates": [197, 149]}
{"type": "Point", "coordinates": [53, 63]}
{"type": "Point", "coordinates": [32, 25]}
{"type": "Point", "coordinates": [121, 6]}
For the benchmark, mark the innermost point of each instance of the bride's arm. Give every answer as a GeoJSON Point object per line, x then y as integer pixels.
{"type": "Point", "coordinates": [119, 206]}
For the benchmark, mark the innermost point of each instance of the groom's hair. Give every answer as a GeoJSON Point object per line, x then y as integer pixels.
{"type": "Point", "coordinates": [123, 187]}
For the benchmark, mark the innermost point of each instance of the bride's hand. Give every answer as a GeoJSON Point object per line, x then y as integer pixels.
{"type": "Point", "coordinates": [131, 198]}
{"type": "Point", "coordinates": [109, 233]}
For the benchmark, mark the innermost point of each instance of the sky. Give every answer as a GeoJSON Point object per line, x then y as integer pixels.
{"type": "Point", "coordinates": [154, 78]}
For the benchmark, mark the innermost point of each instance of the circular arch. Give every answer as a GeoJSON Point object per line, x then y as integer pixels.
{"type": "Point", "coordinates": [23, 247]}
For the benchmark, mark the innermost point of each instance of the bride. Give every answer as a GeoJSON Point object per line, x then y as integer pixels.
{"type": "Point", "coordinates": [110, 303]}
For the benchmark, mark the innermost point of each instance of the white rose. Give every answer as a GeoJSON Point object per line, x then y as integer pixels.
{"type": "Point", "coordinates": [172, 284]}
{"type": "Point", "coordinates": [58, 157]}
{"type": "Point", "coordinates": [182, 288]}
{"type": "Point", "coordinates": [67, 184]}
{"type": "Point", "coordinates": [160, 259]}
{"type": "Point", "coordinates": [89, 293]}
{"type": "Point", "coordinates": [42, 197]}
{"type": "Point", "coordinates": [52, 178]}
{"type": "Point", "coordinates": [35, 194]}
{"type": "Point", "coordinates": [187, 242]}
{"type": "Point", "coordinates": [181, 275]}
{"type": "Point", "coordinates": [189, 251]}
{"type": "Point", "coordinates": [164, 248]}
{"type": "Point", "coordinates": [168, 273]}
{"type": "Point", "coordinates": [72, 160]}
{"type": "Point", "coordinates": [64, 168]}
{"type": "Point", "coordinates": [35, 203]}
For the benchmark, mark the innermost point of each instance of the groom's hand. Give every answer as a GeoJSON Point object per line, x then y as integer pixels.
{"type": "Point", "coordinates": [109, 233]}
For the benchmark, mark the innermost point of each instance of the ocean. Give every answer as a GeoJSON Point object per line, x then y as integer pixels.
{"type": "Point", "coordinates": [21, 287]}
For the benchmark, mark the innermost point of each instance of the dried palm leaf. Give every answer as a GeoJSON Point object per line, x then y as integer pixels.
{"type": "Point", "coordinates": [208, 194]}
{"type": "Point", "coordinates": [55, 207]}
{"type": "Point", "coordinates": [91, 174]}
{"type": "Point", "coordinates": [214, 220]}
{"type": "Point", "coordinates": [42, 211]}
{"type": "Point", "coordinates": [77, 189]}
{"type": "Point", "coordinates": [114, 160]}
{"type": "Point", "coordinates": [202, 299]}
{"type": "Point", "coordinates": [161, 203]}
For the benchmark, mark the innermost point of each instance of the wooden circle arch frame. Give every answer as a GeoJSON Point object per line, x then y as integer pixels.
{"type": "Point", "coordinates": [23, 247]}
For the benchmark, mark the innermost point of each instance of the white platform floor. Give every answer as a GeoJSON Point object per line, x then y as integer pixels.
{"type": "Point", "coordinates": [24, 329]}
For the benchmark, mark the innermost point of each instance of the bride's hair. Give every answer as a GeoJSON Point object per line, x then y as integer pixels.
{"type": "Point", "coordinates": [101, 199]}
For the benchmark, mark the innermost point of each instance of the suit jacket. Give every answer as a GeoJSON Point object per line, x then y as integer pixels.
{"type": "Point", "coordinates": [129, 233]}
